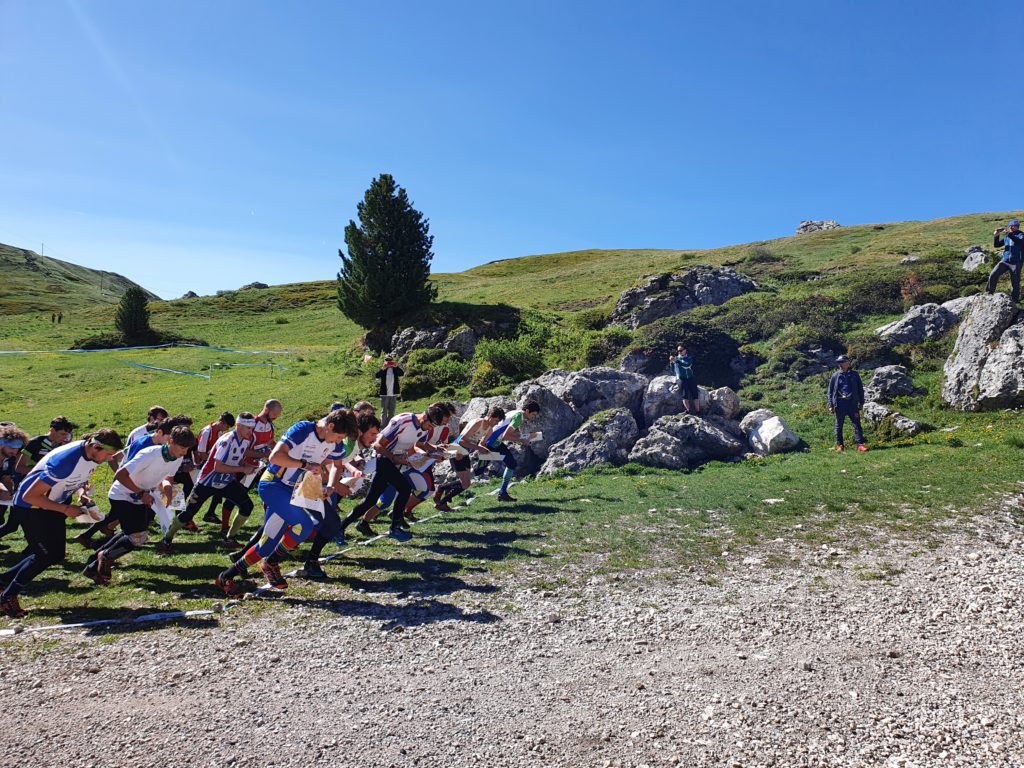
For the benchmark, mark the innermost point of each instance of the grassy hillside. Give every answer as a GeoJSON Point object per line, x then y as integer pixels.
{"type": "Point", "coordinates": [33, 283]}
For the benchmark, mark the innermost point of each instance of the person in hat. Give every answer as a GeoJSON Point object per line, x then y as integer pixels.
{"type": "Point", "coordinates": [682, 366]}
{"type": "Point", "coordinates": [389, 390]}
{"type": "Point", "coordinates": [845, 399]}
{"type": "Point", "coordinates": [1011, 240]}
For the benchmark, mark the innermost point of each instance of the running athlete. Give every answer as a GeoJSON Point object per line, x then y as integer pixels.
{"type": "Point", "coordinates": [472, 438]}
{"type": "Point", "coordinates": [12, 463]}
{"type": "Point", "coordinates": [369, 429]}
{"type": "Point", "coordinates": [262, 443]}
{"type": "Point", "coordinates": [207, 439]}
{"type": "Point", "coordinates": [43, 497]}
{"type": "Point", "coordinates": [160, 436]}
{"type": "Point", "coordinates": [509, 431]}
{"type": "Point", "coordinates": [307, 447]}
{"type": "Point", "coordinates": [154, 416]}
{"type": "Point", "coordinates": [220, 477]}
{"type": "Point", "coordinates": [393, 445]}
{"type": "Point", "coordinates": [151, 471]}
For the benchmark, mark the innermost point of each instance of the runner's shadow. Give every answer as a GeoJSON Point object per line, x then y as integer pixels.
{"type": "Point", "coordinates": [493, 545]}
{"type": "Point", "coordinates": [397, 617]}
{"type": "Point", "coordinates": [430, 576]}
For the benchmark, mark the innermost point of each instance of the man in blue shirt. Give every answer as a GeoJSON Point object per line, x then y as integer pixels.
{"type": "Point", "coordinates": [682, 367]}
{"type": "Point", "coordinates": [845, 399]}
{"type": "Point", "coordinates": [1012, 243]}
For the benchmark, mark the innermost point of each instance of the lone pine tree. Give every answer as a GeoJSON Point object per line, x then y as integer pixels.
{"type": "Point", "coordinates": [132, 318]}
{"type": "Point", "coordinates": [387, 269]}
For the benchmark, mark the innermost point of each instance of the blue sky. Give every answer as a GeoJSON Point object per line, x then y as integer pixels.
{"type": "Point", "coordinates": [202, 145]}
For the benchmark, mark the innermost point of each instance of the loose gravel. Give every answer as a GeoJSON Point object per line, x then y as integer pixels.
{"type": "Point", "coordinates": [899, 657]}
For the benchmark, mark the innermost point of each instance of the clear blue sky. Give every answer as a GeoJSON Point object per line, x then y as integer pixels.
{"type": "Point", "coordinates": [201, 145]}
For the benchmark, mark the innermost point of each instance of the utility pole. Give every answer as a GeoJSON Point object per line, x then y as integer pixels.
{"type": "Point", "coordinates": [42, 249]}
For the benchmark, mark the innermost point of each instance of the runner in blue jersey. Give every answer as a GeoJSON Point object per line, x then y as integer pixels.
{"type": "Point", "coordinates": [306, 448]}
{"type": "Point", "coordinates": [510, 430]}
{"type": "Point", "coordinates": [43, 497]}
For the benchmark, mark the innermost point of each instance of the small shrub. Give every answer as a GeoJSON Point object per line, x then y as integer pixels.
{"type": "Point", "coordinates": [761, 255]}
{"type": "Point", "coordinates": [869, 349]}
{"type": "Point", "coordinates": [854, 249]}
{"type": "Point", "coordinates": [591, 319]}
{"type": "Point", "coordinates": [937, 294]}
{"type": "Point", "coordinates": [448, 372]}
{"type": "Point", "coordinates": [416, 386]}
{"type": "Point", "coordinates": [420, 358]}
{"type": "Point", "coordinates": [713, 350]}
{"type": "Point", "coordinates": [281, 321]}
{"type": "Point", "coordinates": [910, 290]}
{"type": "Point", "coordinates": [1015, 441]}
{"type": "Point", "coordinates": [486, 378]}
{"type": "Point", "coordinates": [970, 290]}
{"type": "Point", "coordinates": [303, 372]}
{"type": "Point", "coordinates": [605, 346]}
{"type": "Point", "coordinates": [517, 359]}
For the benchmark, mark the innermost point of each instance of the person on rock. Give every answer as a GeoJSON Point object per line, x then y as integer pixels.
{"type": "Point", "coordinates": [682, 367]}
{"type": "Point", "coordinates": [845, 400]}
{"type": "Point", "coordinates": [1011, 240]}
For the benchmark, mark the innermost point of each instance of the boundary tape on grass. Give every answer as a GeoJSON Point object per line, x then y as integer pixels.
{"type": "Point", "coordinates": [153, 346]}
{"type": "Point", "coordinates": [154, 618]}
{"type": "Point", "coordinates": [167, 370]}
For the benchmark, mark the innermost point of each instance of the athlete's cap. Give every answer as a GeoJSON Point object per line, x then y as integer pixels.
{"type": "Point", "coordinates": [244, 422]}
{"type": "Point", "coordinates": [1013, 223]}
{"type": "Point", "coordinates": [842, 359]}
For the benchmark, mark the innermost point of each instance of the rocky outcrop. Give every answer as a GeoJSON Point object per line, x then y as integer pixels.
{"type": "Point", "coordinates": [767, 433]}
{"type": "Point", "coordinates": [556, 420]}
{"type": "Point", "coordinates": [190, 295]}
{"type": "Point", "coordinates": [1001, 383]}
{"type": "Point", "coordinates": [679, 442]}
{"type": "Point", "coordinates": [592, 390]}
{"type": "Point", "coordinates": [910, 259]}
{"type": "Point", "coordinates": [406, 340]}
{"type": "Point", "coordinates": [724, 402]}
{"type": "Point", "coordinates": [254, 286]}
{"type": "Point", "coordinates": [637, 361]}
{"type": "Point", "coordinates": [894, 422]}
{"type": "Point", "coordinates": [661, 398]}
{"type": "Point", "coordinates": [958, 306]}
{"type": "Point", "coordinates": [888, 383]}
{"type": "Point", "coordinates": [976, 256]}
{"type": "Point", "coordinates": [605, 438]}
{"type": "Point", "coordinates": [479, 406]}
{"type": "Point", "coordinates": [980, 333]}
{"type": "Point", "coordinates": [674, 293]}
{"type": "Point", "coordinates": [920, 323]}
{"type": "Point", "coordinates": [462, 341]}
{"type": "Point", "coordinates": [807, 227]}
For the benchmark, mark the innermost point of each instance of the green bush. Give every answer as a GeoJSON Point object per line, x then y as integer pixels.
{"type": "Point", "coordinates": [486, 378]}
{"type": "Point", "coordinates": [591, 319]}
{"type": "Point", "coordinates": [713, 350]}
{"type": "Point", "coordinates": [605, 346]}
{"type": "Point", "coordinates": [867, 348]}
{"type": "Point", "coordinates": [450, 371]}
{"type": "Point", "coordinates": [970, 290]}
{"type": "Point", "coordinates": [761, 255]}
{"type": "Point", "coordinates": [804, 336]}
{"type": "Point", "coordinates": [937, 294]}
{"type": "Point", "coordinates": [420, 358]}
{"type": "Point", "coordinates": [517, 359]}
{"type": "Point", "coordinates": [416, 386]}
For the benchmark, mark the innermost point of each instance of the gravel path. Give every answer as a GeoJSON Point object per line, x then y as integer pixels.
{"type": "Point", "coordinates": [841, 660]}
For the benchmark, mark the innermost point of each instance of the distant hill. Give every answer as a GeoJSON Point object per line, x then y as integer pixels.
{"type": "Point", "coordinates": [33, 283]}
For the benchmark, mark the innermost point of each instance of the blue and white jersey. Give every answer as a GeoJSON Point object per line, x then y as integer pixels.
{"type": "Point", "coordinates": [146, 441]}
{"type": "Point", "coordinates": [513, 419]}
{"type": "Point", "coordinates": [64, 469]}
{"type": "Point", "coordinates": [303, 443]}
{"type": "Point", "coordinates": [229, 449]}
{"type": "Point", "coordinates": [401, 434]}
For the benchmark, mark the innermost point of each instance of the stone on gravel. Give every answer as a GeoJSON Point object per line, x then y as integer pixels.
{"type": "Point", "coordinates": [605, 438]}
{"type": "Point", "coordinates": [987, 319]}
{"type": "Point", "coordinates": [920, 323]}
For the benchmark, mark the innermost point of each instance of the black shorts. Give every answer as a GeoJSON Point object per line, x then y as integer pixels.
{"type": "Point", "coordinates": [461, 463]}
{"type": "Point", "coordinates": [689, 388]}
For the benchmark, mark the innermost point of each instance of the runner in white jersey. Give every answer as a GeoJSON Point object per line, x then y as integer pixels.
{"type": "Point", "coordinates": [154, 416]}
{"type": "Point", "coordinates": [472, 438]}
{"type": "Point", "coordinates": [220, 477]}
{"type": "Point", "coordinates": [43, 497]}
{"type": "Point", "coordinates": [262, 444]}
{"type": "Point", "coordinates": [142, 483]}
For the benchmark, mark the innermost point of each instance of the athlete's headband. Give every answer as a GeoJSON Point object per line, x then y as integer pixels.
{"type": "Point", "coordinates": [17, 444]}
{"type": "Point", "coordinates": [245, 422]}
{"type": "Point", "coordinates": [104, 446]}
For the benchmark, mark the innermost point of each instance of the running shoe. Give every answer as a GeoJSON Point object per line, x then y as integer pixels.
{"type": "Point", "coordinates": [366, 529]}
{"type": "Point", "coordinates": [400, 523]}
{"type": "Point", "coordinates": [442, 506]}
{"type": "Point", "coordinates": [839, 449]}
{"type": "Point", "coordinates": [411, 517]}
{"type": "Point", "coordinates": [436, 495]}
{"type": "Point", "coordinates": [191, 526]}
{"type": "Point", "coordinates": [273, 574]}
{"type": "Point", "coordinates": [504, 496]}
{"type": "Point", "coordinates": [230, 541]}
{"type": "Point", "coordinates": [399, 535]}
{"type": "Point", "coordinates": [862, 448]}
{"type": "Point", "coordinates": [211, 517]}
{"type": "Point", "coordinates": [84, 540]}
{"type": "Point", "coordinates": [226, 583]}
{"type": "Point", "coordinates": [103, 565]}
{"type": "Point", "coordinates": [13, 608]}
{"type": "Point", "coordinates": [164, 548]}
{"type": "Point", "coordinates": [312, 570]}
{"type": "Point", "coordinates": [92, 572]}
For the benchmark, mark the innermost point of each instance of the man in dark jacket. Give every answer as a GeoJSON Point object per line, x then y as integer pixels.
{"type": "Point", "coordinates": [1012, 243]}
{"type": "Point", "coordinates": [390, 390]}
{"type": "Point", "coordinates": [845, 399]}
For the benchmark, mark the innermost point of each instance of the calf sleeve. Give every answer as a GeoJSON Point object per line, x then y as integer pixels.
{"type": "Point", "coordinates": [119, 546]}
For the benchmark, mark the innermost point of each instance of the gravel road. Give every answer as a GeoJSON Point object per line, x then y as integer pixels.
{"type": "Point", "coordinates": [902, 656]}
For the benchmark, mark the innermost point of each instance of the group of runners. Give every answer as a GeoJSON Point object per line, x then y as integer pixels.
{"type": "Point", "coordinates": [165, 473]}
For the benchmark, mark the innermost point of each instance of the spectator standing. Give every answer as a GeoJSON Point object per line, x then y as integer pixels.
{"type": "Point", "coordinates": [845, 400]}
{"type": "Point", "coordinates": [682, 367]}
{"type": "Point", "coordinates": [390, 388]}
{"type": "Point", "coordinates": [1011, 240]}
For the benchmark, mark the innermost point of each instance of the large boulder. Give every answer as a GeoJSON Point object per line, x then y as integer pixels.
{"type": "Point", "coordinates": [596, 389]}
{"type": "Point", "coordinates": [604, 438]}
{"type": "Point", "coordinates": [556, 420]}
{"type": "Point", "coordinates": [673, 293]}
{"type": "Point", "coordinates": [405, 340]}
{"type": "Point", "coordinates": [190, 295]}
{"type": "Point", "coordinates": [898, 424]}
{"type": "Point", "coordinates": [807, 227]}
{"type": "Point", "coordinates": [462, 341]}
{"type": "Point", "coordinates": [678, 442]}
{"type": "Point", "coordinates": [637, 360]}
{"type": "Point", "coordinates": [976, 256]}
{"type": "Point", "coordinates": [925, 321]}
{"type": "Point", "coordinates": [724, 401]}
{"type": "Point", "coordinates": [958, 306]}
{"type": "Point", "coordinates": [478, 407]}
{"type": "Point", "coordinates": [755, 418]}
{"type": "Point", "coordinates": [1001, 383]}
{"type": "Point", "coordinates": [767, 433]}
{"type": "Point", "coordinates": [987, 319]}
{"type": "Point", "coordinates": [254, 286]}
{"type": "Point", "coordinates": [661, 398]}
{"type": "Point", "coordinates": [888, 383]}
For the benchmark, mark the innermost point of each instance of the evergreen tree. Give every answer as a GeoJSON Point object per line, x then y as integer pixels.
{"type": "Point", "coordinates": [132, 318]}
{"type": "Point", "coordinates": [385, 274]}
